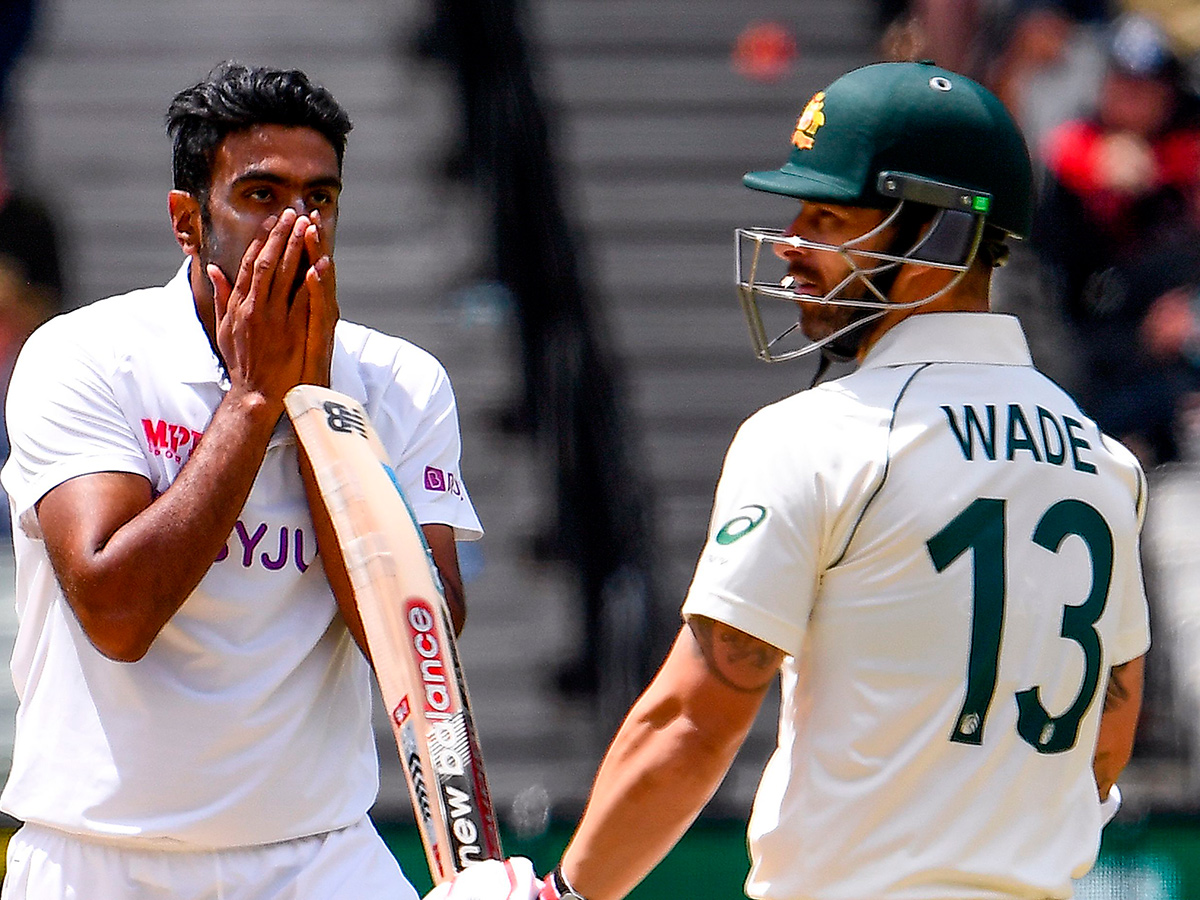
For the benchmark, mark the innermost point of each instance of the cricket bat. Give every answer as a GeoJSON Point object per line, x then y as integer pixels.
{"type": "Point", "coordinates": [407, 624]}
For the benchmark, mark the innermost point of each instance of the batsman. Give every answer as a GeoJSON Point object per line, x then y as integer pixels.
{"type": "Point", "coordinates": [936, 554]}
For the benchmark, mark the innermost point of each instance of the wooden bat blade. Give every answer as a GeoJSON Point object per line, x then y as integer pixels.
{"type": "Point", "coordinates": [398, 595]}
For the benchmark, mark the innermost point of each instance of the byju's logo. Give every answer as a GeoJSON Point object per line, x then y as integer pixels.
{"type": "Point", "coordinates": [344, 419]}
{"type": "Point", "coordinates": [441, 482]}
{"type": "Point", "coordinates": [435, 479]}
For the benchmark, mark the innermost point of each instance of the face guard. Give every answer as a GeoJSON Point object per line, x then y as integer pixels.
{"type": "Point", "coordinates": [935, 148]}
{"type": "Point", "coordinates": [950, 242]}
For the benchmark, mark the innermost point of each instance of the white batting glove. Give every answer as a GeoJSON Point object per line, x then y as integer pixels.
{"type": "Point", "coordinates": [493, 879]}
{"type": "Point", "coordinates": [1109, 805]}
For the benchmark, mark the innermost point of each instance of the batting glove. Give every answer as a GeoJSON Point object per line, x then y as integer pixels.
{"type": "Point", "coordinates": [493, 879]}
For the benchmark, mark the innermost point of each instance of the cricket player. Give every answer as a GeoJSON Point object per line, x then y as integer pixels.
{"type": "Point", "coordinates": [937, 553]}
{"type": "Point", "coordinates": [195, 718]}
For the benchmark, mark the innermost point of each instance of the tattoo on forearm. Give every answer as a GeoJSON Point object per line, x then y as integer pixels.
{"type": "Point", "coordinates": [738, 660]}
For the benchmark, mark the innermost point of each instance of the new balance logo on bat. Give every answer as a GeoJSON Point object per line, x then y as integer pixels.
{"type": "Point", "coordinates": [433, 666]}
{"type": "Point", "coordinates": [343, 419]}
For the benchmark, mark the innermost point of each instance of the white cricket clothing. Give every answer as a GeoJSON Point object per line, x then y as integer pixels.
{"type": "Point", "coordinates": [249, 719]}
{"type": "Point", "coordinates": [937, 519]}
{"type": "Point", "coordinates": [350, 863]}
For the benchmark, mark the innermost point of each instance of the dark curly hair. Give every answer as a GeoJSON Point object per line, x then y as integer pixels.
{"type": "Point", "coordinates": [235, 97]}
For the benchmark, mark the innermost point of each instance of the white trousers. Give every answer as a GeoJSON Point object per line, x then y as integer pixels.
{"type": "Point", "coordinates": [350, 864]}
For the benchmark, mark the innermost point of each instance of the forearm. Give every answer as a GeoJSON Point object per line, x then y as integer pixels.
{"type": "Point", "coordinates": [669, 756]}
{"type": "Point", "coordinates": [1118, 723]}
{"type": "Point", "coordinates": [654, 781]}
{"type": "Point", "coordinates": [126, 578]}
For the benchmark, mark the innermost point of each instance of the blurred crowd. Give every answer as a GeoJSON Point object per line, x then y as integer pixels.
{"type": "Point", "coordinates": [1109, 285]}
{"type": "Point", "coordinates": [31, 266]}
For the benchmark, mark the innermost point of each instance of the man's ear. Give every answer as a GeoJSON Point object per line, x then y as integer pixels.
{"type": "Point", "coordinates": [186, 221]}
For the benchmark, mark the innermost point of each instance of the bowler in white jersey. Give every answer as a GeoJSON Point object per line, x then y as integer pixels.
{"type": "Point", "coordinates": [195, 715]}
{"type": "Point", "coordinates": [938, 552]}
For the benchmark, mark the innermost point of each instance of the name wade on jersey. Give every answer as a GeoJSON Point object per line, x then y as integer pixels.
{"type": "Point", "coordinates": [1014, 432]}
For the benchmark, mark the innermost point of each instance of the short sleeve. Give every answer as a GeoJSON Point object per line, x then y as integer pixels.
{"type": "Point", "coordinates": [759, 570]}
{"type": "Point", "coordinates": [1132, 635]}
{"type": "Point", "coordinates": [428, 465]}
{"type": "Point", "coordinates": [63, 420]}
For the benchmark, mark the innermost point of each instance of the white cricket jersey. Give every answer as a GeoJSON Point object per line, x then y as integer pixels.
{"type": "Point", "coordinates": [947, 549]}
{"type": "Point", "coordinates": [249, 719]}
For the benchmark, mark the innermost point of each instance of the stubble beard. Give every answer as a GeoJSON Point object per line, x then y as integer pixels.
{"type": "Point", "coordinates": [210, 245]}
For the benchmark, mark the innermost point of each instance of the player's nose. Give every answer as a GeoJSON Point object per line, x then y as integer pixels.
{"type": "Point", "coordinates": [788, 251]}
{"type": "Point", "coordinates": [299, 203]}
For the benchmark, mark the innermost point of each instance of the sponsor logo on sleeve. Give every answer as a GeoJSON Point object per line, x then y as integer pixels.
{"type": "Point", "coordinates": [749, 517]}
{"type": "Point", "coordinates": [441, 482]}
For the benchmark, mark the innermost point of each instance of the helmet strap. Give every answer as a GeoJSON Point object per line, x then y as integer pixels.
{"type": "Point", "coordinates": [909, 222]}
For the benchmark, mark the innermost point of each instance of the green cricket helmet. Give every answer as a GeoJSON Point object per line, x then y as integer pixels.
{"type": "Point", "coordinates": [890, 136]}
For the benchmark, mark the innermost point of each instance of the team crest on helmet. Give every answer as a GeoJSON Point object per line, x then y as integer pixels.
{"type": "Point", "coordinates": [810, 120]}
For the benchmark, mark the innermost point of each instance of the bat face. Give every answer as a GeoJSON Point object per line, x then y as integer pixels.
{"type": "Point", "coordinates": [398, 596]}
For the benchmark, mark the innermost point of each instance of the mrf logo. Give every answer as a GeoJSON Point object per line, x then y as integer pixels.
{"type": "Point", "coordinates": [442, 482]}
{"type": "Point", "coordinates": [175, 442]}
{"type": "Point", "coordinates": [810, 120]}
{"type": "Point", "coordinates": [421, 620]}
{"type": "Point", "coordinates": [343, 419]}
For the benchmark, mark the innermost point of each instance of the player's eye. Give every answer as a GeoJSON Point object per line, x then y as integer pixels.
{"type": "Point", "coordinates": [321, 198]}
{"type": "Point", "coordinates": [261, 194]}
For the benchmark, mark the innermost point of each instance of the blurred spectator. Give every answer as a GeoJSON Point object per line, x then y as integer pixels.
{"type": "Point", "coordinates": [1042, 58]}
{"type": "Point", "coordinates": [1179, 19]}
{"type": "Point", "coordinates": [31, 277]}
{"type": "Point", "coordinates": [764, 51]}
{"type": "Point", "coordinates": [950, 32]}
{"type": "Point", "coordinates": [16, 25]}
{"type": "Point", "coordinates": [23, 307]}
{"type": "Point", "coordinates": [29, 241]}
{"type": "Point", "coordinates": [29, 245]}
{"type": "Point", "coordinates": [1115, 232]}
{"type": "Point", "coordinates": [1048, 60]}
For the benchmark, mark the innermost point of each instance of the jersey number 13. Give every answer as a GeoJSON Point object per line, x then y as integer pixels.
{"type": "Point", "coordinates": [981, 529]}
